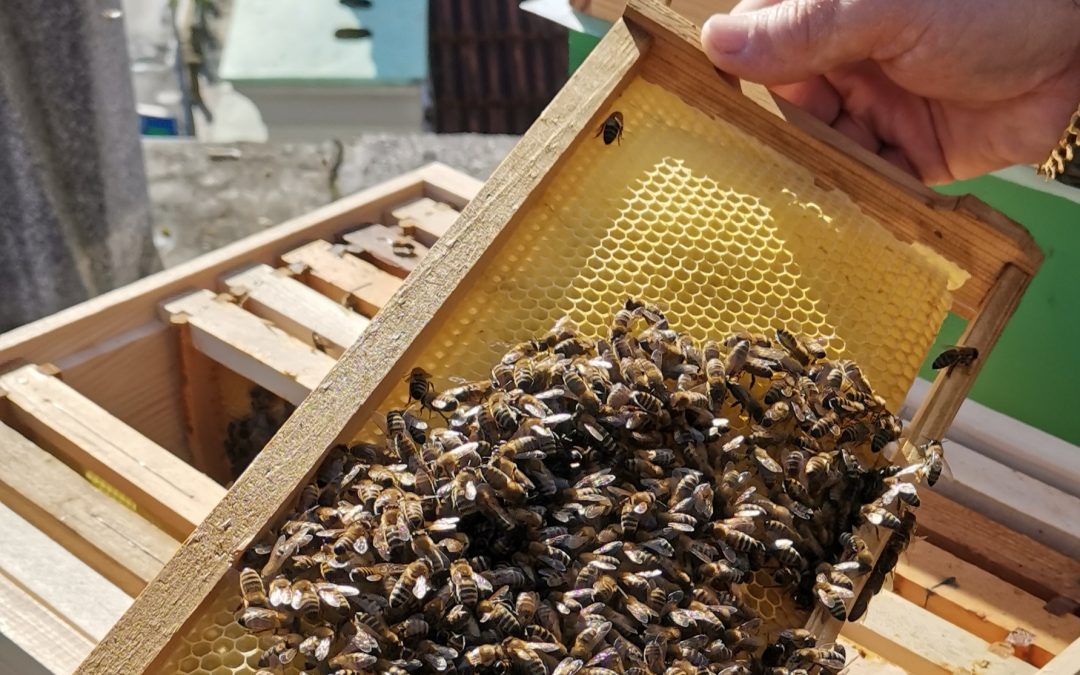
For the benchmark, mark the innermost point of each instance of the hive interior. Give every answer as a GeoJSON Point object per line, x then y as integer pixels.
{"type": "Point", "coordinates": [691, 214]}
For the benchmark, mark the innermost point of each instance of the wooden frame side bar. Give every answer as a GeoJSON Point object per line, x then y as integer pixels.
{"type": "Point", "coordinates": [368, 369]}
{"type": "Point", "coordinates": [1065, 663]}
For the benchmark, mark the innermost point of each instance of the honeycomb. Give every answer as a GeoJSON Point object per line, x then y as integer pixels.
{"type": "Point", "coordinates": [695, 216]}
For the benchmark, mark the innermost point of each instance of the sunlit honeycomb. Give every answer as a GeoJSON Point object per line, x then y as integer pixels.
{"type": "Point", "coordinates": [216, 644]}
{"type": "Point", "coordinates": [691, 214]}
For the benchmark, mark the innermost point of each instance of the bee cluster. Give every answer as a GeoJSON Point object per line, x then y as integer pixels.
{"type": "Point", "coordinates": [597, 506]}
{"type": "Point", "coordinates": [246, 436]}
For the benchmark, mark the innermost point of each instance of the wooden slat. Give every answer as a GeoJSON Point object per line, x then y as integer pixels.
{"type": "Point", "coordinates": [57, 579]}
{"type": "Point", "coordinates": [95, 342]}
{"type": "Point", "coordinates": [979, 602]}
{"type": "Point", "coordinates": [1066, 663]}
{"type": "Point", "coordinates": [922, 643]}
{"type": "Point", "coordinates": [375, 244]}
{"type": "Point", "coordinates": [38, 632]}
{"type": "Point", "coordinates": [113, 540]}
{"type": "Point", "coordinates": [912, 212]}
{"type": "Point", "coordinates": [342, 277]}
{"type": "Point", "coordinates": [1019, 560]}
{"type": "Point", "coordinates": [84, 435]}
{"type": "Point", "coordinates": [246, 344]}
{"type": "Point", "coordinates": [297, 309]}
{"type": "Point", "coordinates": [949, 390]}
{"type": "Point", "coordinates": [425, 219]}
{"type": "Point", "coordinates": [364, 374]}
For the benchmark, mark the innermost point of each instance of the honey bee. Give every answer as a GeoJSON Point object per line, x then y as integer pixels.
{"type": "Point", "coordinates": [736, 358]}
{"type": "Point", "coordinates": [587, 640]}
{"type": "Point", "coordinates": [252, 588]}
{"type": "Point", "coordinates": [832, 659]}
{"type": "Point", "coordinates": [832, 594]}
{"type": "Point", "coordinates": [413, 582]}
{"type": "Point", "coordinates": [955, 356]}
{"type": "Point", "coordinates": [258, 619]}
{"type": "Point", "coordinates": [420, 387]}
{"type": "Point", "coordinates": [935, 461]}
{"type": "Point", "coordinates": [467, 583]}
{"type": "Point", "coordinates": [612, 128]}
{"type": "Point", "coordinates": [469, 393]}
{"type": "Point", "coordinates": [353, 661]}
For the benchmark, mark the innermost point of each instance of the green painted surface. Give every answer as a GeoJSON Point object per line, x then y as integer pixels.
{"type": "Point", "coordinates": [580, 46]}
{"type": "Point", "coordinates": [275, 42]}
{"type": "Point", "coordinates": [1032, 374]}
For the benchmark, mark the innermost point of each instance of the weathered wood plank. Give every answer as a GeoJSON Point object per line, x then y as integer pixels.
{"type": "Point", "coordinates": [1009, 555]}
{"type": "Point", "coordinates": [388, 248]}
{"type": "Point", "coordinates": [38, 632]}
{"type": "Point", "coordinates": [303, 312]}
{"type": "Point", "coordinates": [57, 579]}
{"type": "Point", "coordinates": [84, 435]}
{"type": "Point", "coordinates": [920, 642]}
{"type": "Point", "coordinates": [425, 219]}
{"type": "Point", "coordinates": [113, 540]}
{"type": "Point", "coordinates": [979, 602]}
{"type": "Point", "coordinates": [246, 344]}
{"type": "Point", "coordinates": [343, 277]}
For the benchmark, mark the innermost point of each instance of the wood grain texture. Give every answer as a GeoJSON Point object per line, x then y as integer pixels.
{"type": "Point", "coordinates": [922, 643]}
{"type": "Point", "coordinates": [84, 435]}
{"type": "Point", "coordinates": [37, 631]}
{"type": "Point", "coordinates": [367, 371]}
{"type": "Point", "coordinates": [1019, 560]}
{"type": "Point", "coordinates": [57, 579]}
{"type": "Point", "coordinates": [425, 219]}
{"type": "Point", "coordinates": [980, 603]}
{"type": "Point", "coordinates": [341, 276]}
{"type": "Point", "coordinates": [203, 409]}
{"type": "Point", "coordinates": [697, 11]}
{"type": "Point", "coordinates": [114, 541]}
{"type": "Point", "coordinates": [248, 345]}
{"type": "Point", "coordinates": [952, 227]}
{"type": "Point", "coordinates": [1066, 663]}
{"type": "Point", "coordinates": [295, 308]}
{"type": "Point", "coordinates": [376, 244]}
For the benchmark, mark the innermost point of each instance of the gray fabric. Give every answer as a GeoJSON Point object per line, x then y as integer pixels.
{"type": "Point", "coordinates": [74, 213]}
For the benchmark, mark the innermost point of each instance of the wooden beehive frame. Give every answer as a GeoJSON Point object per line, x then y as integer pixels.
{"type": "Point", "coordinates": [654, 43]}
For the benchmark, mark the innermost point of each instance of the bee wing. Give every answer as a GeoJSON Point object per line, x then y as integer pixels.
{"type": "Point", "coordinates": [482, 583]}
{"type": "Point", "coordinates": [420, 589]}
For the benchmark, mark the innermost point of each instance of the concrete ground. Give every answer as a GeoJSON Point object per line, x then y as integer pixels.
{"type": "Point", "coordinates": [206, 195]}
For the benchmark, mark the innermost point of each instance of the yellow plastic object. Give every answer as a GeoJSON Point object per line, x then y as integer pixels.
{"type": "Point", "coordinates": [691, 214]}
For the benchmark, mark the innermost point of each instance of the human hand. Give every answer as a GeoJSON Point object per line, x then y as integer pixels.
{"type": "Point", "coordinates": [945, 89]}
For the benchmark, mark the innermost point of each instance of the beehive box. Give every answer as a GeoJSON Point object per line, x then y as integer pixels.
{"type": "Point", "coordinates": [116, 415]}
{"type": "Point", "coordinates": [711, 205]}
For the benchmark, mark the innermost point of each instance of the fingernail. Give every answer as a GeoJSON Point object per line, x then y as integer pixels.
{"type": "Point", "coordinates": [724, 35]}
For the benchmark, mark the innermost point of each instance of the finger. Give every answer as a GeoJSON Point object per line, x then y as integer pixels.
{"type": "Point", "coordinates": [752, 6]}
{"type": "Point", "coordinates": [816, 96]}
{"type": "Point", "coordinates": [858, 132]}
{"type": "Point", "coordinates": [794, 40]}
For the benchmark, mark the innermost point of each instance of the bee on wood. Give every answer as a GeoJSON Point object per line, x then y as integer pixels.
{"type": "Point", "coordinates": [612, 128]}
{"type": "Point", "coordinates": [955, 356]}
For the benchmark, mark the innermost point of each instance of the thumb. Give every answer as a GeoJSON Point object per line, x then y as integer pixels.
{"type": "Point", "coordinates": [794, 40]}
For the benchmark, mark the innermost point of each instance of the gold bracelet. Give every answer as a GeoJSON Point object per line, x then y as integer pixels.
{"type": "Point", "coordinates": [1063, 153]}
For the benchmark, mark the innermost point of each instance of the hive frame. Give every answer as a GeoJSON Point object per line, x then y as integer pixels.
{"type": "Point", "coordinates": [655, 43]}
